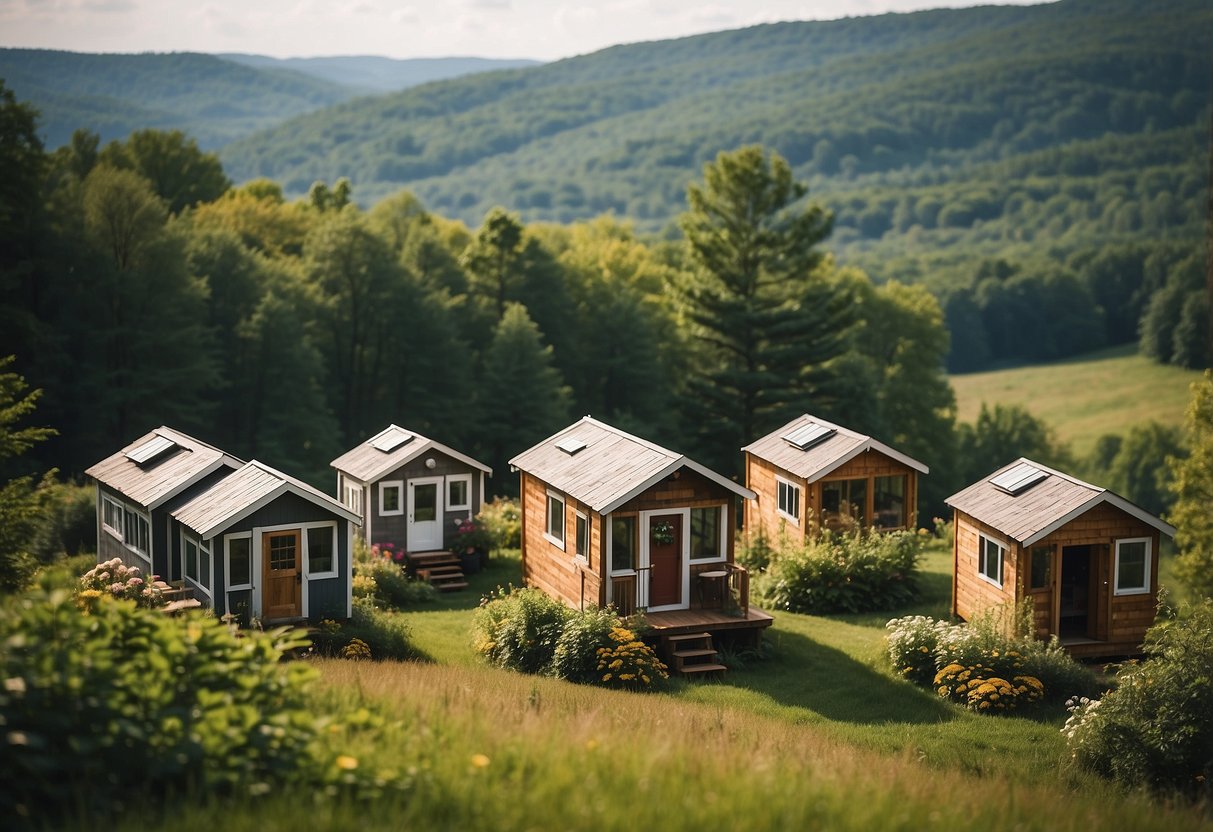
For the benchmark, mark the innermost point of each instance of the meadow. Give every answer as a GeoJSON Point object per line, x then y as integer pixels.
{"type": "Point", "coordinates": [1085, 397]}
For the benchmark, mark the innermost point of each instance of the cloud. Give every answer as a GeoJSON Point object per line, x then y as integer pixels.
{"type": "Point", "coordinates": [490, 5]}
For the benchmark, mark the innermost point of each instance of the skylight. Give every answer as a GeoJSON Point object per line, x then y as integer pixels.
{"type": "Point", "coordinates": [806, 436]}
{"type": "Point", "coordinates": [149, 450]}
{"type": "Point", "coordinates": [570, 445]}
{"type": "Point", "coordinates": [1018, 479]}
{"type": "Point", "coordinates": [391, 439]}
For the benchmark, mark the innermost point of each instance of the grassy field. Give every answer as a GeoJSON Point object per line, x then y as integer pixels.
{"type": "Point", "coordinates": [1085, 397]}
{"type": "Point", "coordinates": [818, 734]}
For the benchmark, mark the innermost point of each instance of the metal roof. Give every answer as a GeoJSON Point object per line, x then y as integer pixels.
{"type": "Point", "coordinates": [1034, 513]}
{"type": "Point", "coordinates": [824, 452]}
{"type": "Point", "coordinates": [180, 462]}
{"type": "Point", "coordinates": [244, 491]}
{"type": "Point", "coordinates": [368, 461]}
{"type": "Point", "coordinates": [612, 467]}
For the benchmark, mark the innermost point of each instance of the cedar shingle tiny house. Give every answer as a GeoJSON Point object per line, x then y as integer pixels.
{"type": "Point", "coordinates": [608, 518]}
{"type": "Point", "coordinates": [812, 473]}
{"type": "Point", "coordinates": [410, 490]}
{"type": "Point", "coordinates": [262, 544]}
{"type": "Point", "coordinates": [141, 485]}
{"type": "Point", "coordinates": [1086, 557]}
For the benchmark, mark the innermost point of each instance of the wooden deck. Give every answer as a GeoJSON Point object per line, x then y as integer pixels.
{"type": "Point", "coordinates": [679, 622]}
{"type": "Point", "coordinates": [1080, 647]}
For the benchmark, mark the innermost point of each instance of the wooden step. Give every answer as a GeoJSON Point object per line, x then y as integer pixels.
{"type": "Point", "coordinates": [451, 587]}
{"type": "Point", "coordinates": [703, 668]}
{"type": "Point", "coordinates": [687, 637]}
{"type": "Point", "coordinates": [687, 654]}
{"type": "Point", "coordinates": [436, 571]}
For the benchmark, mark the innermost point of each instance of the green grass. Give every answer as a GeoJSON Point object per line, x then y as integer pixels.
{"type": "Point", "coordinates": [1085, 397]}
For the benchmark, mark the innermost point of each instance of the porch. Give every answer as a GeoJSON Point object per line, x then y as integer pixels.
{"type": "Point", "coordinates": [717, 598]}
{"type": "Point", "coordinates": [684, 622]}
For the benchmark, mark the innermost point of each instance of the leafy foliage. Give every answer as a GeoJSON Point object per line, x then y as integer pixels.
{"type": "Point", "coordinates": [1194, 493]}
{"type": "Point", "coordinates": [502, 519]}
{"type": "Point", "coordinates": [385, 634]}
{"type": "Point", "coordinates": [519, 629]}
{"type": "Point", "coordinates": [576, 657]}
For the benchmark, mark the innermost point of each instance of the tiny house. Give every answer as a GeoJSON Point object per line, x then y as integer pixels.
{"type": "Point", "coordinates": [609, 518]}
{"type": "Point", "coordinates": [410, 490]}
{"type": "Point", "coordinates": [811, 474]}
{"type": "Point", "coordinates": [1085, 557]}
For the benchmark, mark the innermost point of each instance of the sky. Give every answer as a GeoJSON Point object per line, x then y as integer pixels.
{"type": "Point", "coordinates": [539, 29]}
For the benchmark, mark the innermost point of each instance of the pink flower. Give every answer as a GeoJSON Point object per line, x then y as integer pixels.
{"type": "Point", "coordinates": [399, 556]}
{"type": "Point", "coordinates": [116, 589]}
{"type": "Point", "coordinates": [135, 582]}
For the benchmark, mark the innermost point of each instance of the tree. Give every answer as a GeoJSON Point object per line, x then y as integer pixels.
{"type": "Point", "coordinates": [492, 260]}
{"type": "Point", "coordinates": [179, 172]}
{"type": "Point", "coordinates": [1193, 488]}
{"type": "Point", "coordinates": [1003, 434]}
{"type": "Point", "coordinates": [765, 325]}
{"type": "Point", "coordinates": [1140, 470]}
{"type": "Point", "coordinates": [21, 219]}
{"type": "Point", "coordinates": [20, 498]}
{"type": "Point", "coordinates": [523, 396]}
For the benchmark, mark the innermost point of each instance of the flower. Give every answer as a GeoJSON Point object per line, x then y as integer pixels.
{"type": "Point", "coordinates": [480, 760]}
{"type": "Point", "coordinates": [347, 763]}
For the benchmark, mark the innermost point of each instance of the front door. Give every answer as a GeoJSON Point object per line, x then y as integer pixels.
{"type": "Point", "coordinates": [425, 514]}
{"type": "Point", "coordinates": [282, 584]}
{"type": "Point", "coordinates": [1075, 606]}
{"type": "Point", "coordinates": [665, 560]}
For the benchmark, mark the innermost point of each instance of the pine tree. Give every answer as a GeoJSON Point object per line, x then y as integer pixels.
{"type": "Point", "coordinates": [1193, 487]}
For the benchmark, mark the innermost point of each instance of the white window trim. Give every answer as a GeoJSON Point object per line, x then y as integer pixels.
{"type": "Point", "coordinates": [1145, 588]}
{"type": "Point", "coordinates": [123, 508]}
{"type": "Point", "coordinates": [115, 532]}
{"type": "Point", "coordinates": [547, 520]}
{"type": "Point", "coordinates": [608, 550]}
{"type": "Point", "coordinates": [353, 498]}
{"type": "Point", "coordinates": [721, 518]}
{"type": "Point", "coordinates": [308, 574]}
{"type": "Point", "coordinates": [467, 480]}
{"type": "Point", "coordinates": [794, 518]}
{"type": "Point", "coordinates": [208, 591]}
{"type": "Point", "coordinates": [583, 557]}
{"type": "Point", "coordinates": [227, 561]}
{"type": "Point", "coordinates": [1002, 560]}
{"type": "Point", "coordinates": [388, 485]}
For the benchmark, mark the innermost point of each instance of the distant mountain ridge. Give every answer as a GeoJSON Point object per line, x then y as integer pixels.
{"type": "Point", "coordinates": [374, 74]}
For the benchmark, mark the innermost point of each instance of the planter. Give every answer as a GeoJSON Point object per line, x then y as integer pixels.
{"type": "Point", "coordinates": [484, 558]}
{"type": "Point", "coordinates": [469, 562]}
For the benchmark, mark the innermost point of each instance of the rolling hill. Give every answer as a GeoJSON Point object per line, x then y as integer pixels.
{"type": "Point", "coordinates": [374, 74]}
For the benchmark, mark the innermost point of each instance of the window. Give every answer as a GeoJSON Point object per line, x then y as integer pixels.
{"type": "Point", "coordinates": [1133, 566]}
{"type": "Point", "coordinates": [583, 537]}
{"type": "Point", "coordinates": [555, 528]}
{"type": "Point", "coordinates": [204, 564]}
{"type": "Point", "coordinates": [391, 499]}
{"type": "Point", "coordinates": [705, 533]}
{"type": "Point", "coordinates": [321, 551]}
{"type": "Point", "coordinates": [989, 560]}
{"type": "Point", "coordinates": [239, 562]}
{"type": "Point", "coordinates": [623, 544]}
{"type": "Point", "coordinates": [191, 559]}
{"type": "Point", "coordinates": [353, 498]}
{"type": "Point", "coordinates": [889, 502]}
{"type": "Point", "coordinates": [844, 504]}
{"type": "Point", "coordinates": [1042, 557]}
{"type": "Point", "coordinates": [459, 493]}
{"type": "Point", "coordinates": [789, 499]}
{"type": "Point", "coordinates": [111, 516]}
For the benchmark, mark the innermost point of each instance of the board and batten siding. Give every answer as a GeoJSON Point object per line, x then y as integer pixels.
{"type": "Point", "coordinates": [560, 573]}
{"type": "Point", "coordinates": [394, 527]}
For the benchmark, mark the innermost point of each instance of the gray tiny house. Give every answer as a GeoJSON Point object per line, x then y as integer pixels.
{"type": "Point", "coordinates": [411, 491]}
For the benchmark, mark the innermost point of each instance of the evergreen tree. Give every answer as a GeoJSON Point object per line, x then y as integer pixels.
{"type": "Point", "coordinates": [1194, 493]}
{"type": "Point", "coordinates": [21, 497]}
{"type": "Point", "coordinates": [1003, 434]}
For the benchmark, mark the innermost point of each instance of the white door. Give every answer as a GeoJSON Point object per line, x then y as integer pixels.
{"type": "Point", "coordinates": [425, 514]}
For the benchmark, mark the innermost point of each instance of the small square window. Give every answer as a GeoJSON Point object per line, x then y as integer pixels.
{"type": "Point", "coordinates": [459, 492]}
{"type": "Point", "coordinates": [789, 500]}
{"type": "Point", "coordinates": [555, 519]}
{"type": "Point", "coordinates": [1133, 566]}
{"type": "Point", "coordinates": [705, 533]}
{"type": "Point", "coordinates": [990, 559]}
{"type": "Point", "coordinates": [391, 498]}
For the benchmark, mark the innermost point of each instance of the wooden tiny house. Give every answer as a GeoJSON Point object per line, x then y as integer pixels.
{"type": "Point", "coordinates": [1087, 558]}
{"type": "Point", "coordinates": [410, 490]}
{"type": "Point", "coordinates": [612, 519]}
{"type": "Point", "coordinates": [812, 474]}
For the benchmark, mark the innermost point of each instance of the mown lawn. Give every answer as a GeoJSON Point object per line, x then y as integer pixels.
{"type": "Point", "coordinates": [1085, 397]}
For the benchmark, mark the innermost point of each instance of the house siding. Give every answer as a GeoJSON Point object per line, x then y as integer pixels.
{"type": "Point", "coordinates": [972, 594]}
{"type": "Point", "coordinates": [394, 527]}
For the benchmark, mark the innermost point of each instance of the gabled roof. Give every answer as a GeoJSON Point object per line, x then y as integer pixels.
{"type": "Point", "coordinates": [368, 463]}
{"type": "Point", "coordinates": [172, 462]}
{"type": "Point", "coordinates": [826, 450]}
{"type": "Point", "coordinates": [244, 491]}
{"type": "Point", "coordinates": [610, 468]}
{"type": "Point", "coordinates": [1038, 510]}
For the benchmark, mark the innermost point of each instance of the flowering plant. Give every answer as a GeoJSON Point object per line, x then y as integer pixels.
{"type": "Point", "coordinates": [979, 689]}
{"type": "Point", "coordinates": [629, 662]}
{"type": "Point", "coordinates": [471, 536]}
{"type": "Point", "coordinates": [115, 579]}
{"type": "Point", "coordinates": [387, 551]}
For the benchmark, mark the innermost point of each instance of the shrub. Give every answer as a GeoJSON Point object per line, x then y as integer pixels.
{"type": "Point", "coordinates": [576, 655]}
{"type": "Point", "coordinates": [846, 573]}
{"type": "Point", "coordinates": [363, 586]}
{"type": "Point", "coordinates": [394, 589]}
{"type": "Point", "coordinates": [68, 523]}
{"type": "Point", "coordinates": [912, 643]}
{"type": "Point", "coordinates": [385, 634]}
{"type": "Point", "coordinates": [502, 520]}
{"type": "Point", "coordinates": [983, 689]}
{"type": "Point", "coordinates": [754, 550]}
{"type": "Point", "coordinates": [1156, 727]}
{"type": "Point", "coordinates": [116, 579]}
{"type": "Point", "coordinates": [629, 663]}
{"type": "Point", "coordinates": [117, 704]}
{"type": "Point", "coordinates": [471, 536]}
{"type": "Point", "coordinates": [518, 629]}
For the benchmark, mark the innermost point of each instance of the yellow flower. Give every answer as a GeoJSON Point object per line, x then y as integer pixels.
{"type": "Point", "coordinates": [627, 677]}
{"type": "Point", "coordinates": [606, 678]}
{"type": "Point", "coordinates": [645, 678]}
{"type": "Point", "coordinates": [347, 763]}
{"type": "Point", "coordinates": [480, 760]}
{"type": "Point", "coordinates": [615, 665]}
{"type": "Point", "coordinates": [923, 650]}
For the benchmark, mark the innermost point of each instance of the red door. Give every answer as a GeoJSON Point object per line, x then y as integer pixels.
{"type": "Point", "coordinates": [665, 558]}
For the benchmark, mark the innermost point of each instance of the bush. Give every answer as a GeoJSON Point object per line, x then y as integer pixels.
{"type": "Point", "coordinates": [471, 536]}
{"type": "Point", "coordinates": [394, 589]}
{"type": "Point", "coordinates": [518, 629]}
{"type": "Point", "coordinates": [502, 520]}
{"type": "Point", "coordinates": [68, 524]}
{"type": "Point", "coordinates": [385, 634]}
{"type": "Point", "coordinates": [629, 663]}
{"type": "Point", "coordinates": [576, 655]}
{"type": "Point", "coordinates": [912, 643]}
{"type": "Point", "coordinates": [117, 580]}
{"type": "Point", "coordinates": [846, 573]}
{"type": "Point", "coordinates": [754, 550]}
{"type": "Point", "coordinates": [117, 704]}
{"type": "Point", "coordinates": [1156, 727]}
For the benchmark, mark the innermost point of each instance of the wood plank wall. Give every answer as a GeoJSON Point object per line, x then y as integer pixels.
{"type": "Point", "coordinates": [974, 594]}
{"type": "Point", "coordinates": [558, 572]}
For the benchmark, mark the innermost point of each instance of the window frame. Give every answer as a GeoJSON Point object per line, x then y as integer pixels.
{"type": "Point", "coordinates": [305, 531]}
{"type": "Point", "coordinates": [905, 503]}
{"type": "Point", "coordinates": [721, 543]}
{"type": "Point", "coordinates": [227, 561]}
{"type": "Point", "coordinates": [845, 486]}
{"type": "Point", "coordinates": [466, 479]}
{"type": "Point", "coordinates": [784, 486]}
{"type": "Point", "coordinates": [1144, 589]}
{"type": "Point", "coordinates": [982, 540]}
{"type": "Point", "coordinates": [108, 502]}
{"type": "Point", "coordinates": [391, 485]}
{"type": "Point", "coordinates": [609, 552]}
{"type": "Point", "coordinates": [555, 496]}
{"type": "Point", "coordinates": [353, 498]}
{"type": "Point", "coordinates": [188, 538]}
{"type": "Point", "coordinates": [581, 526]}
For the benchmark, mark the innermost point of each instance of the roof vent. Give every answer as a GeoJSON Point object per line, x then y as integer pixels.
{"type": "Point", "coordinates": [806, 436]}
{"type": "Point", "coordinates": [570, 445]}
{"type": "Point", "coordinates": [151, 449]}
{"type": "Point", "coordinates": [1019, 478]}
{"type": "Point", "coordinates": [391, 439]}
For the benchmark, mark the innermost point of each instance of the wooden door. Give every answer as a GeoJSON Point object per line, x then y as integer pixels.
{"type": "Point", "coordinates": [1101, 591]}
{"type": "Point", "coordinates": [665, 560]}
{"type": "Point", "coordinates": [282, 572]}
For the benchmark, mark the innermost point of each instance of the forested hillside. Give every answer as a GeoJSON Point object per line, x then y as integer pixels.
{"type": "Point", "coordinates": [375, 74]}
